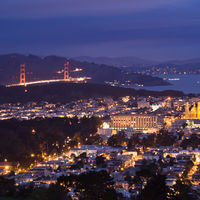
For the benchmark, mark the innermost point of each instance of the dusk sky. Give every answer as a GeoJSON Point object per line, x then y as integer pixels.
{"type": "Point", "coordinates": [153, 29]}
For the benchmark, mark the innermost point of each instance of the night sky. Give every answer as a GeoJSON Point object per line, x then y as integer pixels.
{"type": "Point", "coordinates": [153, 29]}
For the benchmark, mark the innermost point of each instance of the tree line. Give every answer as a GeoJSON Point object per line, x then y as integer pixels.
{"type": "Point", "coordinates": [21, 139]}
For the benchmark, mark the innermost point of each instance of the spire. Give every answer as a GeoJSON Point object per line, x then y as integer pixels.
{"type": "Point", "coordinates": [66, 71]}
{"type": "Point", "coordinates": [23, 74]}
{"type": "Point", "coordinates": [187, 110]}
{"type": "Point", "coordinates": [198, 110]}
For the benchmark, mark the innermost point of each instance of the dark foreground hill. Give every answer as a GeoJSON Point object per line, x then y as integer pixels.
{"type": "Point", "coordinates": [38, 68]}
{"type": "Point", "coordinates": [65, 92]}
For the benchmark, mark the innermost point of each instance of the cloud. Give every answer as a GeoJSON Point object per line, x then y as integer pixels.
{"type": "Point", "coordinates": [100, 27]}
{"type": "Point", "coordinates": [60, 8]}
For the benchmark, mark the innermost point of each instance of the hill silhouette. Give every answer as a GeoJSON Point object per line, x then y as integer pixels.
{"type": "Point", "coordinates": [66, 92]}
{"type": "Point", "coordinates": [38, 68]}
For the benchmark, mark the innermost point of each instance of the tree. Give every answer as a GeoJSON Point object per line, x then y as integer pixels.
{"type": "Point", "coordinates": [94, 140]}
{"type": "Point", "coordinates": [90, 185]}
{"type": "Point", "coordinates": [38, 194]}
{"type": "Point", "coordinates": [54, 192]}
{"type": "Point", "coordinates": [50, 135]}
{"type": "Point", "coordinates": [164, 138]}
{"type": "Point", "coordinates": [148, 141]}
{"type": "Point", "coordinates": [155, 189]}
{"type": "Point", "coordinates": [101, 161]}
{"type": "Point", "coordinates": [7, 186]}
{"type": "Point", "coordinates": [193, 141]}
{"type": "Point", "coordinates": [78, 165]}
{"type": "Point", "coordinates": [182, 191]}
{"type": "Point", "coordinates": [188, 167]}
{"type": "Point", "coordinates": [134, 140]}
{"type": "Point", "coordinates": [118, 139]}
{"type": "Point", "coordinates": [145, 174]}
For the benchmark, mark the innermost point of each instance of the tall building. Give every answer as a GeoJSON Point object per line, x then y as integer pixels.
{"type": "Point", "coordinates": [133, 121]}
{"type": "Point", "coordinates": [192, 112]}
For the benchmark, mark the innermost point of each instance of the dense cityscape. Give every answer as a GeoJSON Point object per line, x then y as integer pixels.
{"type": "Point", "coordinates": [131, 142]}
{"type": "Point", "coordinates": [99, 100]}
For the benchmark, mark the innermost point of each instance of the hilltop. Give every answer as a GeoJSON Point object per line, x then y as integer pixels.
{"type": "Point", "coordinates": [38, 68]}
{"type": "Point", "coordinates": [144, 66]}
{"type": "Point", "coordinates": [66, 92]}
{"type": "Point", "coordinates": [128, 61]}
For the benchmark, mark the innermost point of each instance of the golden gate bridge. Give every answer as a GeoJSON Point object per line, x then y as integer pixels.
{"type": "Point", "coordinates": [66, 77]}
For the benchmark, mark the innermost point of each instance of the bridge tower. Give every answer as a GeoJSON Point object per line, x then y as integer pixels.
{"type": "Point", "coordinates": [22, 74]}
{"type": "Point", "coordinates": [66, 71]}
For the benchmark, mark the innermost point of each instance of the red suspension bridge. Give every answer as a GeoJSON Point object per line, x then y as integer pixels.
{"type": "Point", "coordinates": [66, 77]}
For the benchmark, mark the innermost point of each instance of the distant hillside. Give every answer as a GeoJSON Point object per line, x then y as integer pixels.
{"type": "Point", "coordinates": [168, 68]}
{"type": "Point", "coordinates": [65, 92]}
{"type": "Point", "coordinates": [38, 68]}
{"type": "Point", "coordinates": [190, 66]}
{"type": "Point", "coordinates": [124, 62]}
{"type": "Point", "coordinates": [184, 62]}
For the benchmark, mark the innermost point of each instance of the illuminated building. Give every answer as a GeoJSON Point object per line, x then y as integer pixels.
{"type": "Point", "coordinates": [125, 99]}
{"type": "Point", "coordinates": [133, 121]}
{"type": "Point", "coordinates": [5, 167]}
{"type": "Point", "coordinates": [169, 120]}
{"type": "Point", "coordinates": [192, 112]}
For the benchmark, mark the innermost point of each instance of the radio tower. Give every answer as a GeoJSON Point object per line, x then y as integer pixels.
{"type": "Point", "coordinates": [66, 71]}
{"type": "Point", "coordinates": [22, 74]}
